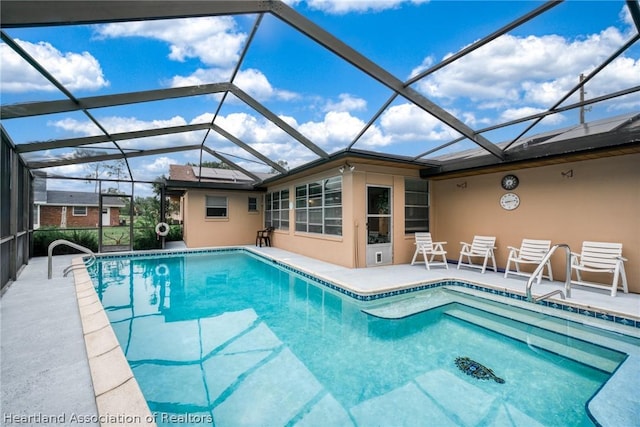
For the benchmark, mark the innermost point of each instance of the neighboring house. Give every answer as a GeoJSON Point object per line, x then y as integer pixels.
{"type": "Point", "coordinates": [361, 209]}
{"type": "Point", "coordinates": [71, 209]}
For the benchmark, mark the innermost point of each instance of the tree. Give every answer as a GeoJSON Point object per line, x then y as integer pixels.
{"type": "Point", "coordinates": [283, 163]}
{"type": "Point", "coordinates": [213, 165]}
{"type": "Point", "coordinates": [171, 206]}
{"type": "Point", "coordinates": [97, 170]}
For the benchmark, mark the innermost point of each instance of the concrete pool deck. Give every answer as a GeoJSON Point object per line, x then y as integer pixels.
{"type": "Point", "coordinates": [46, 371]}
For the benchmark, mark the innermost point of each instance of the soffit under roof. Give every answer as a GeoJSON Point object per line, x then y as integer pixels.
{"type": "Point", "coordinates": [479, 148]}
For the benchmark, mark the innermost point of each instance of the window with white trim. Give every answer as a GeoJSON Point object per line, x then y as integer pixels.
{"type": "Point", "coordinates": [276, 210]}
{"type": "Point", "coordinates": [253, 204]}
{"type": "Point", "coordinates": [319, 207]}
{"type": "Point", "coordinates": [216, 206]}
{"type": "Point", "coordinates": [416, 205]}
{"type": "Point", "coordinates": [79, 211]}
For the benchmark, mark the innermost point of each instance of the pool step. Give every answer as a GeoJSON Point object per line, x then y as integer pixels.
{"type": "Point", "coordinates": [540, 320]}
{"type": "Point", "coordinates": [405, 307]}
{"type": "Point", "coordinates": [580, 351]}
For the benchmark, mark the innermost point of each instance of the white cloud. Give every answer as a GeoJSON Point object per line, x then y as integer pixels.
{"type": "Point", "coordinates": [406, 122]}
{"type": "Point", "coordinates": [201, 76]}
{"type": "Point", "coordinates": [75, 71]}
{"type": "Point", "coordinates": [336, 130]}
{"type": "Point", "coordinates": [260, 133]}
{"type": "Point", "coordinates": [340, 7]}
{"type": "Point", "coordinates": [215, 41]}
{"type": "Point", "coordinates": [84, 127]}
{"type": "Point", "coordinates": [256, 84]}
{"type": "Point", "coordinates": [534, 71]}
{"type": "Point", "coordinates": [426, 63]}
{"type": "Point", "coordinates": [516, 113]}
{"type": "Point", "coordinates": [159, 165]}
{"type": "Point", "coordinates": [115, 124]}
{"type": "Point", "coordinates": [252, 81]}
{"type": "Point", "coordinates": [347, 102]}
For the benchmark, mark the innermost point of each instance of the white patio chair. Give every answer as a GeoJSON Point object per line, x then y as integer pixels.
{"type": "Point", "coordinates": [530, 252]}
{"type": "Point", "coordinates": [429, 249]}
{"type": "Point", "coordinates": [600, 257]}
{"type": "Point", "coordinates": [481, 247]}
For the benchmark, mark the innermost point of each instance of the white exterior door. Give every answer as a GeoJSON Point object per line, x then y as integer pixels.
{"type": "Point", "coordinates": [379, 226]}
{"type": "Point", "coordinates": [106, 217]}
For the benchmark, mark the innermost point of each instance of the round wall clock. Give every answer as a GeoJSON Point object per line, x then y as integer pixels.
{"type": "Point", "coordinates": [510, 182]}
{"type": "Point", "coordinates": [509, 201]}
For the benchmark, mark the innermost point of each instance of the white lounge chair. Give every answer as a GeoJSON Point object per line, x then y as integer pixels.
{"type": "Point", "coordinates": [600, 257]}
{"type": "Point", "coordinates": [429, 249]}
{"type": "Point", "coordinates": [530, 252]}
{"type": "Point", "coordinates": [481, 247]}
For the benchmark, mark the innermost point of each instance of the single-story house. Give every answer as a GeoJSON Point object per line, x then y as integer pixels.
{"type": "Point", "coordinates": [361, 209]}
{"type": "Point", "coordinates": [70, 209]}
{"type": "Point", "coordinates": [233, 212]}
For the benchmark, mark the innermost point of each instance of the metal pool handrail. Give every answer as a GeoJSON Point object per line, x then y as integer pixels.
{"type": "Point", "coordinates": [538, 270]}
{"type": "Point", "coordinates": [68, 243]}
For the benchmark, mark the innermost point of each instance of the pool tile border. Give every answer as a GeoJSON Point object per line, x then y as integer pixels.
{"type": "Point", "coordinates": [588, 312]}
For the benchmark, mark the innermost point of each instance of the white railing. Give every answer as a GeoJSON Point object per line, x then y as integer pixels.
{"type": "Point", "coordinates": [73, 245]}
{"type": "Point", "coordinates": [538, 270]}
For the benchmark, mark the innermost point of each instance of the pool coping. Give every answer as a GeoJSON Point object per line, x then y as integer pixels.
{"type": "Point", "coordinates": [118, 394]}
{"type": "Point", "coordinates": [119, 399]}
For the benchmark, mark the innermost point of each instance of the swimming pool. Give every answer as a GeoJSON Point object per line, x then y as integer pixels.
{"type": "Point", "coordinates": [227, 338]}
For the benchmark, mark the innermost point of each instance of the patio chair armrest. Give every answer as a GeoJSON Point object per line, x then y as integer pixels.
{"type": "Point", "coordinates": [575, 259]}
{"type": "Point", "coordinates": [437, 246]}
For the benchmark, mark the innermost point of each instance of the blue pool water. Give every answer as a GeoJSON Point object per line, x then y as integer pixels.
{"type": "Point", "coordinates": [228, 339]}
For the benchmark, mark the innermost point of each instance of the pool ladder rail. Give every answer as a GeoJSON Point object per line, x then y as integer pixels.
{"type": "Point", "coordinates": [70, 268]}
{"type": "Point", "coordinates": [538, 270]}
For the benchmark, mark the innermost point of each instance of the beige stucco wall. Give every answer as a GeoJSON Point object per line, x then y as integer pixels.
{"type": "Point", "coordinates": [239, 228]}
{"type": "Point", "coordinates": [600, 202]}
{"type": "Point", "coordinates": [334, 249]}
{"type": "Point", "coordinates": [349, 250]}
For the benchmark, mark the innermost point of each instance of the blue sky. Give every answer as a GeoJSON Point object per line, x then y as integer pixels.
{"type": "Point", "coordinates": [323, 97]}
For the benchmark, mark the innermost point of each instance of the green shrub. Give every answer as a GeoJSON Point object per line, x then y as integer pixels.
{"type": "Point", "coordinates": [43, 237]}
{"type": "Point", "coordinates": [145, 239]}
{"type": "Point", "coordinates": [86, 238]}
{"type": "Point", "coordinates": [175, 233]}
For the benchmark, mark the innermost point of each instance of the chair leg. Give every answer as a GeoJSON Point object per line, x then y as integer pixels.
{"type": "Point", "coordinates": [444, 260]}
{"type": "Point", "coordinates": [506, 270]}
{"type": "Point", "coordinates": [415, 255]}
{"type": "Point", "coordinates": [624, 278]}
{"type": "Point", "coordinates": [614, 285]}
